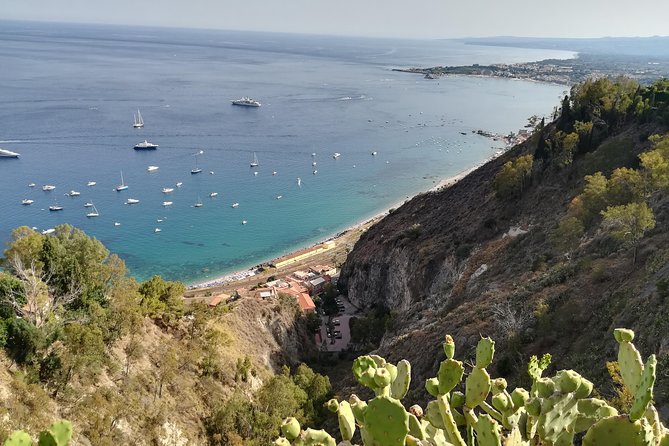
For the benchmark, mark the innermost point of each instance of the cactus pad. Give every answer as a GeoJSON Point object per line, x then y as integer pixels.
{"type": "Point", "coordinates": [631, 366]}
{"type": "Point", "coordinates": [644, 393]}
{"type": "Point", "coordinates": [290, 428]}
{"type": "Point", "coordinates": [477, 387]}
{"type": "Point", "coordinates": [402, 380]}
{"type": "Point", "coordinates": [450, 375]}
{"type": "Point", "coordinates": [619, 431]}
{"type": "Point", "coordinates": [488, 431]}
{"type": "Point", "coordinates": [485, 350]}
{"type": "Point", "coordinates": [387, 421]}
{"type": "Point", "coordinates": [19, 438]}
{"type": "Point", "coordinates": [449, 347]}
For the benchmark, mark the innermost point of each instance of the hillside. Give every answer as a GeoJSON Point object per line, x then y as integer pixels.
{"type": "Point", "coordinates": [519, 250]}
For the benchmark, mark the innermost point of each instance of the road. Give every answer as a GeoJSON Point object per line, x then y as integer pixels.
{"type": "Point", "coordinates": [333, 344]}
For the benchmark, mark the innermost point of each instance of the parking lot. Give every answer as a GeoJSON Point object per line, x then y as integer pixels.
{"type": "Point", "coordinates": [340, 337]}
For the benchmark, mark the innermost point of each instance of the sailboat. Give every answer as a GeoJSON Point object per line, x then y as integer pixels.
{"type": "Point", "coordinates": [94, 213]}
{"type": "Point", "coordinates": [121, 186]}
{"type": "Point", "coordinates": [196, 169]}
{"type": "Point", "coordinates": [198, 204]}
{"type": "Point", "coordinates": [254, 163]}
{"type": "Point", "coordinates": [139, 122]}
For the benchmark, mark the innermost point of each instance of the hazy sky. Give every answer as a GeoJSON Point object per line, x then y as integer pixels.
{"type": "Point", "coordinates": [391, 18]}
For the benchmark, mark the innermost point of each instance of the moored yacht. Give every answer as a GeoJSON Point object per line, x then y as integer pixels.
{"type": "Point", "coordinates": [145, 145]}
{"type": "Point", "coordinates": [27, 202]}
{"type": "Point", "coordinates": [131, 201]}
{"type": "Point", "coordinates": [48, 187]}
{"type": "Point", "coordinates": [246, 102]}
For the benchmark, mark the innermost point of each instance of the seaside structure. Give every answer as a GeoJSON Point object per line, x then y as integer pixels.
{"type": "Point", "coordinates": [303, 254]}
{"type": "Point", "coordinates": [299, 292]}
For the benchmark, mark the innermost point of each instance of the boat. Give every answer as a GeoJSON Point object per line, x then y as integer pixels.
{"type": "Point", "coordinates": [196, 169]}
{"type": "Point", "coordinates": [73, 193]}
{"type": "Point", "coordinates": [179, 184]}
{"type": "Point", "coordinates": [313, 154]}
{"type": "Point", "coordinates": [94, 213]}
{"type": "Point", "coordinates": [139, 122]}
{"type": "Point", "coordinates": [49, 231]}
{"type": "Point", "coordinates": [145, 145]}
{"type": "Point", "coordinates": [91, 183]}
{"type": "Point", "coordinates": [131, 201]}
{"type": "Point", "coordinates": [213, 194]}
{"type": "Point", "coordinates": [244, 222]}
{"type": "Point", "coordinates": [254, 162]}
{"type": "Point", "coordinates": [152, 168]}
{"type": "Point", "coordinates": [32, 185]}
{"type": "Point", "coordinates": [255, 174]}
{"type": "Point", "coordinates": [167, 203]}
{"type": "Point", "coordinates": [274, 173]}
{"type": "Point", "coordinates": [198, 203]}
{"type": "Point", "coordinates": [314, 164]}
{"type": "Point", "coordinates": [315, 172]}
{"type": "Point", "coordinates": [27, 202]}
{"type": "Point", "coordinates": [374, 153]}
{"type": "Point", "coordinates": [121, 186]}
{"type": "Point", "coordinates": [299, 182]}
{"type": "Point", "coordinates": [8, 154]}
{"type": "Point", "coordinates": [234, 205]}
{"type": "Point", "coordinates": [157, 230]}
{"type": "Point", "coordinates": [336, 155]}
{"type": "Point", "coordinates": [48, 187]}
{"type": "Point", "coordinates": [117, 223]}
{"type": "Point", "coordinates": [55, 207]}
{"type": "Point", "coordinates": [279, 197]}
{"type": "Point", "coordinates": [246, 102]}
{"type": "Point", "coordinates": [167, 190]}
{"type": "Point", "coordinates": [88, 205]}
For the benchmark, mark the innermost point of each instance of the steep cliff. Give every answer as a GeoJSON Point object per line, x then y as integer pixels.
{"type": "Point", "coordinates": [466, 262]}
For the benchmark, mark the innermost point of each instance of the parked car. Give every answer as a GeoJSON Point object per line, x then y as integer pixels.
{"type": "Point", "coordinates": [338, 336]}
{"type": "Point", "coordinates": [337, 333]}
{"type": "Point", "coordinates": [336, 321]}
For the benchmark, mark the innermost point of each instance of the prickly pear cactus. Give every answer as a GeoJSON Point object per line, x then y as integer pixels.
{"type": "Point", "coordinates": [386, 421]}
{"type": "Point", "coordinates": [619, 430]}
{"type": "Point", "coordinates": [19, 438]}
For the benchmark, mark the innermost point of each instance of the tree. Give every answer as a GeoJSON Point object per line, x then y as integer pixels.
{"type": "Point", "coordinates": [625, 186]}
{"type": "Point", "coordinates": [593, 198]}
{"type": "Point", "coordinates": [568, 233]}
{"type": "Point", "coordinates": [628, 223]}
{"type": "Point", "coordinates": [160, 297]}
{"type": "Point", "coordinates": [584, 131]}
{"type": "Point", "coordinates": [512, 178]}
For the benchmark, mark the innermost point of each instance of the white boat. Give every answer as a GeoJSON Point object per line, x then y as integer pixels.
{"type": "Point", "coordinates": [88, 205]}
{"type": "Point", "coordinates": [244, 222]}
{"type": "Point", "coordinates": [234, 205]}
{"type": "Point", "coordinates": [279, 197]}
{"type": "Point", "coordinates": [73, 193]}
{"type": "Point", "coordinates": [198, 203]}
{"type": "Point", "coordinates": [179, 184]}
{"type": "Point", "coordinates": [255, 174]}
{"type": "Point", "coordinates": [91, 183]}
{"type": "Point", "coordinates": [254, 162]}
{"type": "Point", "coordinates": [55, 207]}
{"type": "Point", "coordinates": [274, 173]}
{"type": "Point", "coordinates": [152, 168]}
{"type": "Point", "coordinates": [27, 202]}
{"type": "Point", "coordinates": [49, 231]}
{"type": "Point", "coordinates": [313, 154]}
{"type": "Point", "coordinates": [32, 185]}
{"type": "Point", "coordinates": [48, 187]}
{"type": "Point", "coordinates": [145, 145]}
{"type": "Point", "coordinates": [160, 220]}
{"type": "Point", "coordinates": [121, 186]}
{"type": "Point", "coordinates": [299, 182]}
{"type": "Point", "coordinates": [211, 172]}
{"type": "Point", "coordinates": [157, 230]}
{"type": "Point", "coordinates": [139, 121]}
{"type": "Point", "coordinates": [314, 163]}
{"type": "Point", "coordinates": [336, 155]}
{"type": "Point", "coordinates": [196, 169]}
{"type": "Point", "coordinates": [168, 190]}
{"type": "Point", "coordinates": [374, 153]}
{"type": "Point", "coordinates": [94, 213]}
{"type": "Point", "coordinates": [131, 201]}
{"type": "Point", "coordinates": [315, 172]}
{"type": "Point", "coordinates": [8, 154]}
{"type": "Point", "coordinates": [213, 194]}
{"type": "Point", "coordinates": [117, 223]}
{"type": "Point", "coordinates": [246, 102]}
{"type": "Point", "coordinates": [167, 203]}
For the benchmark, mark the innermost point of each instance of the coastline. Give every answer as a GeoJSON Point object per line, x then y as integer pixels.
{"type": "Point", "coordinates": [343, 239]}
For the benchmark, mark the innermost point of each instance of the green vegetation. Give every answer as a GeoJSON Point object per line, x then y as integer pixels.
{"type": "Point", "coordinates": [514, 176]}
{"type": "Point", "coordinates": [242, 421]}
{"type": "Point", "coordinates": [58, 434]}
{"type": "Point", "coordinates": [553, 412]}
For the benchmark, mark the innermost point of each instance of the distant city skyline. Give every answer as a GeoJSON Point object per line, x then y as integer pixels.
{"type": "Point", "coordinates": [374, 18]}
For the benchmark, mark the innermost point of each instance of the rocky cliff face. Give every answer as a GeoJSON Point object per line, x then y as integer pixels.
{"type": "Point", "coordinates": [464, 262]}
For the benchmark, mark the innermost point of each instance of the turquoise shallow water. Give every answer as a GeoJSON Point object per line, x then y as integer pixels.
{"type": "Point", "coordinates": [68, 93]}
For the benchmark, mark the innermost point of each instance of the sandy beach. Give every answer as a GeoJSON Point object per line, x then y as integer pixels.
{"type": "Point", "coordinates": [345, 240]}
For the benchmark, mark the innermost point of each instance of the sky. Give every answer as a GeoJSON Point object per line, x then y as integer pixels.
{"type": "Point", "coordinates": [379, 18]}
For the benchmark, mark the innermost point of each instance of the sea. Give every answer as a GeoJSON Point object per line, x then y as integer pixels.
{"type": "Point", "coordinates": [68, 94]}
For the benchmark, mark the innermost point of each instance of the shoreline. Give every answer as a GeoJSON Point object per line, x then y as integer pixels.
{"type": "Point", "coordinates": [227, 280]}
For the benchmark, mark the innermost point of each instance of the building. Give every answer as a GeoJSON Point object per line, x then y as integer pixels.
{"type": "Point", "coordinates": [303, 254]}
{"type": "Point", "coordinates": [300, 294]}
{"type": "Point", "coordinates": [265, 293]}
{"type": "Point", "coordinates": [315, 286]}
{"type": "Point", "coordinates": [323, 270]}
{"type": "Point", "coordinates": [218, 299]}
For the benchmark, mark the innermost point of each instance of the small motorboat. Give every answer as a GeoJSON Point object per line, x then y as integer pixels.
{"type": "Point", "coordinates": [152, 168]}
{"type": "Point", "coordinates": [157, 230]}
{"type": "Point", "coordinates": [132, 201]}
{"type": "Point", "coordinates": [244, 222]}
{"type": "Point", "coordinates": [213, 194]}
{"type": "Point", "coordinates": [167, 203]}
{"type": "Point", "coordinates": [73, 193]}
{"type": "Point", "coordinates": [48, 187]}
{"type": "Point", "coordinates": [55, 208]}
{"type": "Point", "coordinates": [179, 184]}
{"type": "Point", "coordinates": [117, 223]}
{"type": "Point", "coordinates": [234, 205]}
{"type": "Point", "coordinates": [88, 205]}
{"type": "Point", "coordinates": [32, 185]}
{"type": "Point", "coordinates": [27, 202]}
{"type": "Point", "coordinates": [91, 183]}
{"type": "Point", "coordinates": [168, 190]}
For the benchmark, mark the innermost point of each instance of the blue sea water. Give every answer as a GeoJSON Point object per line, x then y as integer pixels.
{"type": "Point", "coordinates": [68, 94]}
